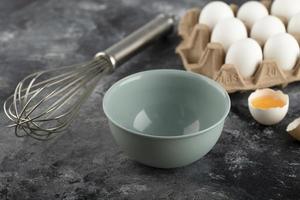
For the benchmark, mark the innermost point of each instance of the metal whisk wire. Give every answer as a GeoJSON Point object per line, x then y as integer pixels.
{"type": "Point", "coordinates": [50, 95]}
{"type": "Point", "coordinates": [45, 103]}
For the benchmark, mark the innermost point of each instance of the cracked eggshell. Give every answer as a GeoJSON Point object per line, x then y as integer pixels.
{"type": "Point", "coordinates": [268, 116]}
{"type": "Point", "coordinates": [294, 129]}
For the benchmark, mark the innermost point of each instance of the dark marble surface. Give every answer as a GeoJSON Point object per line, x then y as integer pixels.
{"type": "Point", "coordinates": [249, 161]}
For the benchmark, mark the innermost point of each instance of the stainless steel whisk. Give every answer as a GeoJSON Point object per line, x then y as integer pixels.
{"type": "Point", "coordinates": [46, 102]}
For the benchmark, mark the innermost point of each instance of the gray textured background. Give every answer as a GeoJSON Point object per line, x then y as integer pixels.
{"type": "Point", "coordinates": [250, 161]}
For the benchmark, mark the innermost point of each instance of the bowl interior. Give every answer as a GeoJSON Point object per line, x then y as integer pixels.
{"type": "Point", "coordinates": [166, 103]}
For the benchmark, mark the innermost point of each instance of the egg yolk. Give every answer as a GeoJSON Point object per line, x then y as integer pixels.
{"type": "Point", "coordinates": [265, 102]}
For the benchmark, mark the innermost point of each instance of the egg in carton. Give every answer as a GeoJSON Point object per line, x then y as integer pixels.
{"type": "Point", "coordinates": [200, 55]}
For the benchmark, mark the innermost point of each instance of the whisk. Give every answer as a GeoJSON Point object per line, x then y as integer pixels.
{"type": "Point", "coordinates": [45, 103]}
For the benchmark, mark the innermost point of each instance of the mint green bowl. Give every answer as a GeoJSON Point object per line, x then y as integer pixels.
{"type": "Point", "coordinates": [166, 118]}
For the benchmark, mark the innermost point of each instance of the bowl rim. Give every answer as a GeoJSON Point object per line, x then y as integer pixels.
{"type": "Point", "coordinates": [167, 71]}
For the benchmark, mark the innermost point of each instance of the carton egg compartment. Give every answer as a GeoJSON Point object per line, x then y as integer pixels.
{"type": "Point", "coordinates": [200, 55]}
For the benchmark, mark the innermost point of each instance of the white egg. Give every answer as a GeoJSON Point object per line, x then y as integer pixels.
{"type": "Point", "coordinates": [272, 115]}
{"type": "Point", "coordinates": [214, 12]}
{"type": "Point", "coordinates": [266, 27]}
{"type": "Point", "coordinates": [285, 9]}
{"type": "Point", "coordinates": [245, 55]}
{"type": "Point", "coordinates": [284, 49]}
{"type": "Point", "coordinates": [294, 25]}
{"type": "Point", "coordinates": [229, 31]}
{"type": "Point", "coordinates": [252, 11]}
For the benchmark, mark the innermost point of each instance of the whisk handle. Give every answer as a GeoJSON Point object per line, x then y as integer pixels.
{"type": "Point", "coordinates": [132, 44]}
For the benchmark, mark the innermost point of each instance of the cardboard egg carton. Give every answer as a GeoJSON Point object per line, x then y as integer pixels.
{"type": "Point", "coordinates": [200, 55]}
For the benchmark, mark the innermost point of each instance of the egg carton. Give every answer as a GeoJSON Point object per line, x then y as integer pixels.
{"type": "Point", "coordinates": [200, 55]}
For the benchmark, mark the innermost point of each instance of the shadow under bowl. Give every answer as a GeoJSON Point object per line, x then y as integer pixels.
{"type": "Point", "coordinates": [166, 118]}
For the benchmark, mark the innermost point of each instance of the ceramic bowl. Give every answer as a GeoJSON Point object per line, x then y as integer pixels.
{"type": "Point", "coordinates": [166, 118]}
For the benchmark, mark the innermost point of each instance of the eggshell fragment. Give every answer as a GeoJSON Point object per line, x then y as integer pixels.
{"type": "Point", "coordinates": [268, 116]}
{"type": "Point", "coordinates": [214, 12]}
{"type": "Point", "coordinates": [294, 129]}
